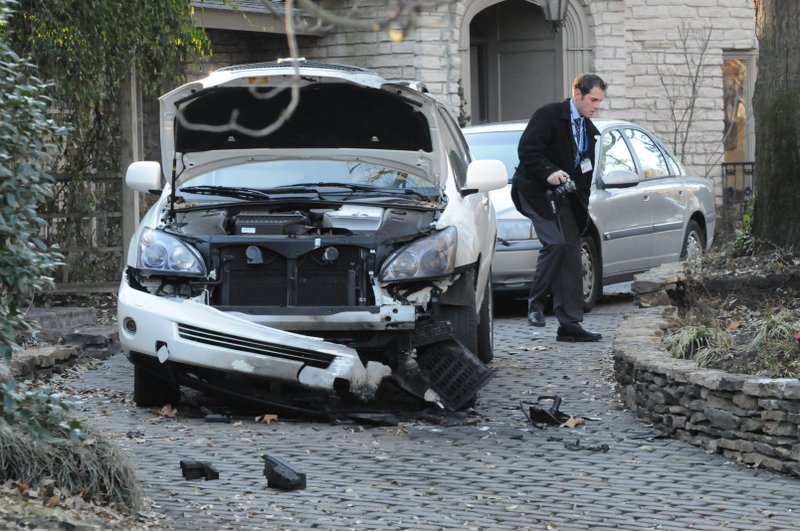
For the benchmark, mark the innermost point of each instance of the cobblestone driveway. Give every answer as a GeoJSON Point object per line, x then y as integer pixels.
{"type": "Point", "coordinates": [495, 472]}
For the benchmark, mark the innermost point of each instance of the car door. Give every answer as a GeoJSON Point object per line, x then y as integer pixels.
{"type": "Point", "coordinates": [661, 184]}
{"type": "Point", "coordinates": [622, 215]}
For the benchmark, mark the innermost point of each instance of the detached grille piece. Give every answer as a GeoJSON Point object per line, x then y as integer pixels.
{"type": "Point", "coordinates": [218, 339]}
{"type": "Point", "coordinates": [454, 372]}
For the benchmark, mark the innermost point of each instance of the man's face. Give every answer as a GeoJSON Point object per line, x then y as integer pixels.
{"type": "Point", "coordinates": [588, 103]}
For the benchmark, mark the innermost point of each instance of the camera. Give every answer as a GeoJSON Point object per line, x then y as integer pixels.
{"type": "Point", "coordinates": [554, 195]}
{"type": "Point", "coordinates": [567, 187]}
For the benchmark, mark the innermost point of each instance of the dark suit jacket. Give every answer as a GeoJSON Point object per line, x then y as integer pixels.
{"type": "Point", "coordinates": [546, 145]}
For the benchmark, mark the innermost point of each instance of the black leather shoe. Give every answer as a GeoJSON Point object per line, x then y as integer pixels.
{"type": "Point", "coordinates": [576, 334]}
{"type": "Point", "coordinates": [536, 318]}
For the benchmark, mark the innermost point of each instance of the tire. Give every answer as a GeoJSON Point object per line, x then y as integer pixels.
{"type": "Point", "coordinates": [692, 242]}
{"type": "Point", "coordinates": [150, 390]}
{"type": "Point", "coordinates": [591, 278]}
{"type": "Point", "coordinates": [485, 351]}
{"type": "Point", "coordinates": [464, 316]}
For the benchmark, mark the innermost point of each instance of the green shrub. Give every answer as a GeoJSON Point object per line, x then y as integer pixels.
{"type": "Point", "coordinates": [26, 142]}
{"type": "Point", "coordinates": [38, 439]}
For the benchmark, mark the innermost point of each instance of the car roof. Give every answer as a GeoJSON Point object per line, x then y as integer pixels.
{"type": "Point", "coordinates": [519, 125]}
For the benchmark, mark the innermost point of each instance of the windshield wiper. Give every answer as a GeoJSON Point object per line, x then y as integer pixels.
{"type": "Point", "coordinates": [226, 191]}
{"type": "Point", "coordinates": [369, 189]}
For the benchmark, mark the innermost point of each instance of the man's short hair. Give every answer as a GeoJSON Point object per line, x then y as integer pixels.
{"type": "Point", "coordinates": [586, 82]}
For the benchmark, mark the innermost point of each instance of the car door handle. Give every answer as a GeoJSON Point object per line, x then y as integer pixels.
{"type": "Point", "coordinates": [485, 201]}
{"type": "Point", "coordinates": [646, 197]}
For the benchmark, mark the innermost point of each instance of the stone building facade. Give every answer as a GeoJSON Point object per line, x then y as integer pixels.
{"type": "Point", "coordinates": [668, 63]}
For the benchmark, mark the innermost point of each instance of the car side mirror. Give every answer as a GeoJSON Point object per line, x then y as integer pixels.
{"type": "Point", "coordinates": [144, 176]}
{"type": "Point", "coordinates": [619, 179]}
{"type": "Point", "coordinates": [484, 175]}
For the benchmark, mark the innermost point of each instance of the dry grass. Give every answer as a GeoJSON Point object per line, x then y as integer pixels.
{"type": "Point", "coordinates": [93, 468]}
{"type": "Point", "coordinates": [749, 322]}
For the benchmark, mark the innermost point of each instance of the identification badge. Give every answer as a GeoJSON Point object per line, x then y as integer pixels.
{"type": "Point", "coordinates": [586, 166]}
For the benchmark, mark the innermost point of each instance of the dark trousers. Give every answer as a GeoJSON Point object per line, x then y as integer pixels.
{"type": "Point", "coordinates": [558, 268]}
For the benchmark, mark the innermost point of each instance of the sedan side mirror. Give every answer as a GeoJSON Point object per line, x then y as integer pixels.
{"type": "Point", "coordinates": [619, 179]}
{"type": "Point", "coordinates": [485, 175]}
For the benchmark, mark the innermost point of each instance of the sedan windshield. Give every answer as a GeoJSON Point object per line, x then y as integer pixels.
{"type": "Point", "coordinates": [501, 145]}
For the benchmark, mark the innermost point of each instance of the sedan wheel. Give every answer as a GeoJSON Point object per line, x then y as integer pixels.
{"type": "Point", "coordinates": [590, 266]}
{"type": "Point", "coordinates": [692, 242]}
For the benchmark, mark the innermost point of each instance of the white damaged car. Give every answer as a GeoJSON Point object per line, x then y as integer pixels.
{"type": "Point", "coordinates": [318, 229]}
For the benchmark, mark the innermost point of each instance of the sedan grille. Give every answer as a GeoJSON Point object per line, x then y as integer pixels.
{"type": "Point", "coordinates": [253, 346]}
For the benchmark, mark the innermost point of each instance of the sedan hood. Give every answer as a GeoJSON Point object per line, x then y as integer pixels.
{"type": "Point", "coordinates": [234, 112]}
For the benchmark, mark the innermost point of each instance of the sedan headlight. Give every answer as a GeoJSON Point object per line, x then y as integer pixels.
{"type": "Point", "coordinates": [514, 229]}
{"type": "Point", "coordinates": [433, 256]}
{"type": "Point", "coordinates": [160, 252]}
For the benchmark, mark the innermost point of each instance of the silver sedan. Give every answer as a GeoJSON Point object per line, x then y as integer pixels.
{"type": "Point", "coordinates": [646, 209]}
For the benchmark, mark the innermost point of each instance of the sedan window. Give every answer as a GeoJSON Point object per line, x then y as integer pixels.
{"type": "Point", "coordinates": [647, 151]}
{"type": "Point", "coordinates": [615, 155]}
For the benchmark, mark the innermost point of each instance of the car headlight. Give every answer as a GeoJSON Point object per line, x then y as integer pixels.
{"type": "Point", "coordinates": [514, 229]}
{"type": "Point", "coordinates": [160, 252]}
{"type": "Point", "coordinates": [432, 256]}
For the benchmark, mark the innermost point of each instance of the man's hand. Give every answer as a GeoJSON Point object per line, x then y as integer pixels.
{"type": "Point", "coordinates": [557, 177]}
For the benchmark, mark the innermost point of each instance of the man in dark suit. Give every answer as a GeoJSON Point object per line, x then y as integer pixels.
{"type": "Point", "coordinates": [551, 187]}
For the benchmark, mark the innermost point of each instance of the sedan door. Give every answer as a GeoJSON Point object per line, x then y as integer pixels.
{"type": "Point", "coordinates": [665, 192]}
{"type": "Point", "coordinates": [623, 215]}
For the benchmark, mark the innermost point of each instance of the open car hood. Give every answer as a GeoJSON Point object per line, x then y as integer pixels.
{"type": "Point", "coordinates": [225, 116]}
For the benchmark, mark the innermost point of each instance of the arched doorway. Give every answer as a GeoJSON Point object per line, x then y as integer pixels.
{"type": "Point", "coordinates": [513, 61]}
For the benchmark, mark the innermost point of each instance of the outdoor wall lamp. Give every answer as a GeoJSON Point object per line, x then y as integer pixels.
{"type": "Point", "coordinates": [555, 11]}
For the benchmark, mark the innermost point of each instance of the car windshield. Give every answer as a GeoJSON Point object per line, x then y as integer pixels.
{"type": "Point", "coordinates": [255, 179]}
{"type": "Point", "coordinates": [499, 145]}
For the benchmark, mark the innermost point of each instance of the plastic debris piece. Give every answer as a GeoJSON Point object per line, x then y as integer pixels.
{"type": "Point", "coordinates": [281, 476]}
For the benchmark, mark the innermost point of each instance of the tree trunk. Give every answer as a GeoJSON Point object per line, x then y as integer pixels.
{"type": "Point", "coordinates": [776, 108]}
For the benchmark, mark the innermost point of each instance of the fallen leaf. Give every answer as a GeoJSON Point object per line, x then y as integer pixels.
{"type": "Point", "coordinates": [167, 411]}
{"type": "Point", "coordinates": [267, 418]}
{"type": "Point", "coordinates": [734, 325]}
{"type": "Point", "coordinates": [52, 501]}
{"type": "Point", "coordinates": [21, 486]}
{"type": "Point", "coordinates": [571, 422]}
{"type": "Point", "coordinates": [550, 525]}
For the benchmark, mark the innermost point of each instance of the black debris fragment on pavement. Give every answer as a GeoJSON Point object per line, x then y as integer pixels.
{"type": "Point", "coordinates": [193, 469]}
{"type": "Point", "coordinates": [551, 416]}
{"type": "Point", "coordinates": [281, 476]}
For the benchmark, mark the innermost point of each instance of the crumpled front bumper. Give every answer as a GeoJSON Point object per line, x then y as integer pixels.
{"type": "Point", "coordinates": [188, 332]}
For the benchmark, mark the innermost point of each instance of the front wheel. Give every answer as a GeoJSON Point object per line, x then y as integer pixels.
{"type": "Point", "coordinates": [150, 390]}
{"type": "Point", "coordinates": [486, 325]}
{"type": "Point", "coordinates": [462, 311]}
{"type": "Point", "coordinates": [591, 279]}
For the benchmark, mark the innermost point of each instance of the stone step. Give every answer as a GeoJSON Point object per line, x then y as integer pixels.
{"type": "Point", "coordinates": [55, 323]}
{"type": "Point", "coordinates": [73, 332]}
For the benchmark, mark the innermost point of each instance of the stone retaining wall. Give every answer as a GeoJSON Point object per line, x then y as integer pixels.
{"type": "Point", "coordinates": [747, 419]}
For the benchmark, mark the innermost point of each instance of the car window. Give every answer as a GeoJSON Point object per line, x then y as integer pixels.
{"type": "Point", "coordinates": [615, 154]}
{"type": "Point", "coordinates": [674, 166]}
{"type": "Point", "coordinates": [498, 145]}
{"type": "Point", "coordinates": [651, 159]}
{"type": "Point", "coordinates": [456, 147]}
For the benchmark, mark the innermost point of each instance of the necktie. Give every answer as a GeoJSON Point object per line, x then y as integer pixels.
{"type": "Point", "coordinates": [577, 137]}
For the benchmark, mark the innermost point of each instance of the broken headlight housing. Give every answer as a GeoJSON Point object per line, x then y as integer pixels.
{"type": "Point", "coordinates": [159, 252]}
{"type": "Point", "coordinates": [432, 256]}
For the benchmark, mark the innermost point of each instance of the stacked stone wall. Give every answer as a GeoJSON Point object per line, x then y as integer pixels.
{"type": "Point", "coordinates": [748, 419]}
